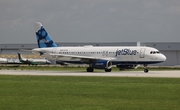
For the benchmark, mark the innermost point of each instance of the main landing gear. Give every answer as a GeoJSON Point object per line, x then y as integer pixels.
{"type": "Point", "coordinates": [90, 69]}
{"type": "Point", "coordinates": [108, 70]}
{"type": "Point", "coordinates": [145, 68]}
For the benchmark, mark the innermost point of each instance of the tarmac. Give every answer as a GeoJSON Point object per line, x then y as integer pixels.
{"type": "Point", "coordinates": [163, 74]}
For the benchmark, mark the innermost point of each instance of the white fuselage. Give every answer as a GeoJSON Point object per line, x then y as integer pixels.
{"type": "Point", "coordinates": [3, 60]}
{"type": "Point", "coordinates": [116, 54]}
{"type": "Point", "coordinates": [35, 61]}
{"type": "Point", "coordinates": [32, 61]}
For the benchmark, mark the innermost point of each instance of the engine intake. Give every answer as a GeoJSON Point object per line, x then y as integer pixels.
{"type": "Point", "coordinates": [102, 64]}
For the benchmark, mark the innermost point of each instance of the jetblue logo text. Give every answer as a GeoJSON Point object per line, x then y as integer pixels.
{"type": "Point", "coordinates": [126, 52]}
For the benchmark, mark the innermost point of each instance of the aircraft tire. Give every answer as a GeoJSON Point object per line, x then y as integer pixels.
{"type": "Point", "coordinates": [146, 70]}
{"type": "Point", "coordinates": [90, 69]}
{"type": "Point", "coordinates": [108, 70]}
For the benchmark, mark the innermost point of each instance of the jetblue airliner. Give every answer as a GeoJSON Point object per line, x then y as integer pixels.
{"type": "Point", "coordinates": [99, 57]}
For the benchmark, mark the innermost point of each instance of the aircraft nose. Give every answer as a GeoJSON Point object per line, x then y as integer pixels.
{"type": "Point", "coordinates": [163, 57]}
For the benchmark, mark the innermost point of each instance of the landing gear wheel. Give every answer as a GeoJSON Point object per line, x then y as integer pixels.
{"type": "Point", "coordinates": [146, 70]}
{"type": "Point", "coordinates": [90, 69]}
{"type": "Point", "coordinates": [108, 70]}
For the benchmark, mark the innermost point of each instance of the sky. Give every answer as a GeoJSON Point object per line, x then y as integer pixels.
{"type": "Point", "coordinates": [91, 20]}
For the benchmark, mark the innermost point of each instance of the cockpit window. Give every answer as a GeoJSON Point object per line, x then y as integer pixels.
{"type": "Point", "coordinates": [154, 52]}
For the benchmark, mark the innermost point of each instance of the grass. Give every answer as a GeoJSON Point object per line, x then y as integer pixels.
{"type": "Point", "coordinates": [88, 93]}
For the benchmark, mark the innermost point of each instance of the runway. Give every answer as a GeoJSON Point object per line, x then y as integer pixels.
{"type": "Point", "coordinates": [165, 74]}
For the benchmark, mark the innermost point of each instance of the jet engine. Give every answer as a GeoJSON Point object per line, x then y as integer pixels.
{"type": "Point", "coordinates": [102, 64]}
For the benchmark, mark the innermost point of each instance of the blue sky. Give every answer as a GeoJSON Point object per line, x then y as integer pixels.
{"type": "Point", "coordinates": [91, 20]}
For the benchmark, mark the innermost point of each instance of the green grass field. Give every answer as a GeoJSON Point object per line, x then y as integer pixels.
{"type": "Point", "coordinates": [88, 93]}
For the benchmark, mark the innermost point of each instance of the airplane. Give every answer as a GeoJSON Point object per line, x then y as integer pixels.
{"type": "Point", "coordinates": [97, 57]}
{"type": "Point", "coordinates": [32, 61]}
{"type": "Point", "coordinates": [3, 60]}
{"type": "Point", "coordinates": [9, 61]}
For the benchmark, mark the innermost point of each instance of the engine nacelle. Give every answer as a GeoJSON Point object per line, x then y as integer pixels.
{"type": "Point", "coordinates": [102, 64]}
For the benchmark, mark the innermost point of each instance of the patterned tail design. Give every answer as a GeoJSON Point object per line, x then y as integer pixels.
{"type": "Point", "coordinates": [43, 38]}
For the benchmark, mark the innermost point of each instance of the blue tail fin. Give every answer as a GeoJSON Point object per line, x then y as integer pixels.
{"type": "Point", "coordinates": [43, 38]}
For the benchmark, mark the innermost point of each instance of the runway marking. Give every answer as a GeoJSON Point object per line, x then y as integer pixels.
{"type": "Point", "coordinates": [167, 74]}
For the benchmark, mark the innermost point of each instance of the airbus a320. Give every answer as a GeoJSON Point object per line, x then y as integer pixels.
{"type": "Point", "coordinates": [97, 57]}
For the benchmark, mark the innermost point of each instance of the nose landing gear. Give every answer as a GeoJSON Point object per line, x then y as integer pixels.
{"type": "Point", "coordinates": [145, 68]}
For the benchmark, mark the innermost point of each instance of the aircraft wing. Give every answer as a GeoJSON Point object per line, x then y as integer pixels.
{"type": "Point", "coordinates": [79, 57]}
{"type": "Point", "coordinates": [27, 50]}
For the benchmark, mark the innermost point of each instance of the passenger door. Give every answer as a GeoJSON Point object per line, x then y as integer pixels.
{"type": "Point", "coordinates": [142, 53]}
